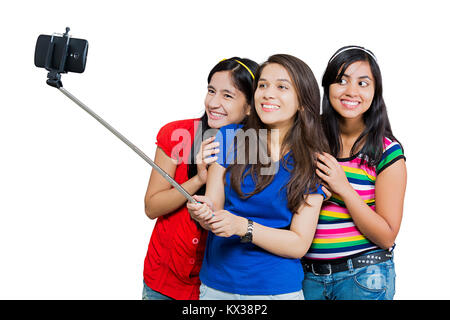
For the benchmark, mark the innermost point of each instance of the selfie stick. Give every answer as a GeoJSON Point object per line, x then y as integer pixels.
{"type": "Point", "coordinates": [54, 80]}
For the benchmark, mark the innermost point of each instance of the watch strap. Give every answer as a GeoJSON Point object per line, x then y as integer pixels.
{"type": "Point", "coordinates": [248, 237]}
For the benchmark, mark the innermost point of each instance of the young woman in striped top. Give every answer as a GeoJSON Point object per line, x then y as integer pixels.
{"type": "Point", "coordinates": [351, 255]}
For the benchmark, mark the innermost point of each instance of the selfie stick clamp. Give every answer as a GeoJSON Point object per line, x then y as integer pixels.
{"type": "Point", "coordinates": [54, 80]}
{"type": "Point", "coordinates": [54, 76]}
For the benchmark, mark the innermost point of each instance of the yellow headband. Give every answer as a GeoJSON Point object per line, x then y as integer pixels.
{"type": "Point", "coordinates": [242, 64]}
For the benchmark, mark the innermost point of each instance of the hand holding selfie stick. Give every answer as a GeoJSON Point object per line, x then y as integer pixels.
{"type": "Point", "coordinates": [61, 54]}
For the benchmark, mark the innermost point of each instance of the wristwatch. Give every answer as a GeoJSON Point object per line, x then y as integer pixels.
{"type": "Point", "coordinates": [248, 237]}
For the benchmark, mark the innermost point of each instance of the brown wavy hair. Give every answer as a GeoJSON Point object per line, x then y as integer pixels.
{"type": "Point", "coordinates": [303, 139]}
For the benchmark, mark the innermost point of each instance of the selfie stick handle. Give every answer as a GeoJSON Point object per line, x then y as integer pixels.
{"type": "Point", "coordinates": [131, 145]}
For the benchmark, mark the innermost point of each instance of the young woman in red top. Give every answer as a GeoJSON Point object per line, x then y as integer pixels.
{"type": "Point", "coordinates": [177, 244]}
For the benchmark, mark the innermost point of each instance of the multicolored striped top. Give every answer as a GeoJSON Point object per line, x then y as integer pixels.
{"type": "Point", "coordinates": [337, 236]}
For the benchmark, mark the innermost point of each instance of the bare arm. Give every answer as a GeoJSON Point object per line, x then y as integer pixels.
{"type": "Point", "coordinates": [214, 198]}
{"type": "Point", "coordinates": [161, 198]}
{"type": "Point", "coordinates": [293, 243]}
{"type": "Point", "coordinates": [215, 189]}
{"type": "Point", "coordinates": [382, 225]}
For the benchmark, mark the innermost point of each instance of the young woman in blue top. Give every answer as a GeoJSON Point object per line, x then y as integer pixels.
{"type": "Point", "coordinates": [262, 213]}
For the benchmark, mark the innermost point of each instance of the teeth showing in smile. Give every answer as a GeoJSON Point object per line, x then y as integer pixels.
{"type": "Point", "coordinates": [217, 115]}
{"type": "Point", "coordinates": [270, 106]}
{"type": "Point", "coordinates": [350, 103]}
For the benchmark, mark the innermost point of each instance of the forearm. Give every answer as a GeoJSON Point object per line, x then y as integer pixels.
{"type": "Point", "coordinates": [293, 243]}
{"type": "Point", "coordinates": [371, 224]}
{"type": "Point", "coordinates": [380, 227]}
{"type": "Point", "coordinates": [167, 201]}
{"type": "Point", "coordinates": [284, 243]}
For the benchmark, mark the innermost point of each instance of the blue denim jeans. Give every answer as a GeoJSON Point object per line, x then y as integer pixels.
{"type": "Point", "coordinates": [208, 293]}
{"type": "Point", "coordinates": [150, 294]}
{"type": "Point", "coordinates": [374, 282]}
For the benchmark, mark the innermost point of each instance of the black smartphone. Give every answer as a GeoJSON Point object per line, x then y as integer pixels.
{"type": "Point", "coordinates": [76, 54]}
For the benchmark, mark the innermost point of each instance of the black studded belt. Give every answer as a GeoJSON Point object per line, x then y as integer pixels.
{"type": "Point", "coordinates": [320, 267]}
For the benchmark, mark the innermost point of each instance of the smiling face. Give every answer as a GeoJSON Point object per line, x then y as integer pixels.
{"type": "Point", "coordinates": [224, 103]}
{"type": "Point", "coordinates": [276, 100]}
{"type": "Point", "coordinates": [353, 94]}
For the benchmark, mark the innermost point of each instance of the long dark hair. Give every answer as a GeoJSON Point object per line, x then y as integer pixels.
{"type": "Point", "coordinates": [304, 138]}
{"type": "Point", "coordinates": [243, 81]}
{"type": "Point", "coordinates": [376, 119]}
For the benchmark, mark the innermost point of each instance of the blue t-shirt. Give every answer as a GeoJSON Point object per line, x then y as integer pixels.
{"type": "Point", "coordinates": [245, 268]}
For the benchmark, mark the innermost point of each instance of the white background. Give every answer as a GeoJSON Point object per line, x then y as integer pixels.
{"type": "Point", "coordinates": [72, 222]}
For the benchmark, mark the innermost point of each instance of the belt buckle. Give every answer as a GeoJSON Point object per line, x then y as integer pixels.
{"type": "Point", "coordinates": [321, 274]}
